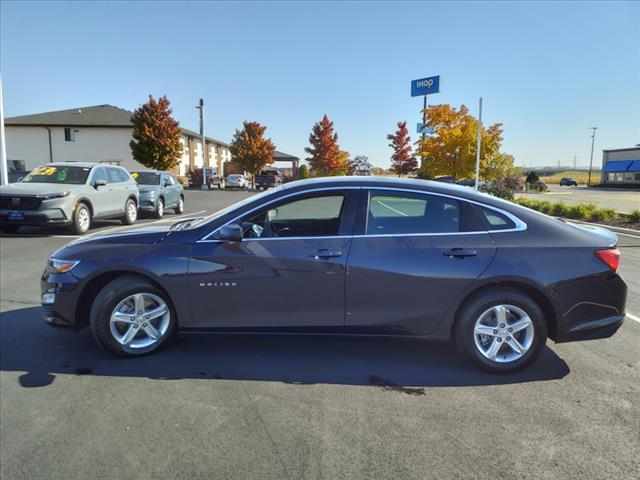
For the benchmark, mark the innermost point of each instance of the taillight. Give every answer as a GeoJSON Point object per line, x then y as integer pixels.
{"type": "Point", "coordinates": [610, 257]}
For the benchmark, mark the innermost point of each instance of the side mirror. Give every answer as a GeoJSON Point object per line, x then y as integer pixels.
{"type": "Point", "coordinates": [99, 183]}
{"type": "Point", "coordinates": [165, 183]}
{"type": "Point", "coordinates": [230, 233]}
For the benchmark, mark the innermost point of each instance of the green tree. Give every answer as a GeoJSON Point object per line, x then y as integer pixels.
{"type": "Point", "coordinates": [497, 166]}
{"type": "Point", "coordinates": [303, 171]}
{"type": "Point", "coordinates": [451, 149]}
{"type": "Point", "coordinates": [250, 150]}
{"type": "Point", "coordinates": [156, 135]}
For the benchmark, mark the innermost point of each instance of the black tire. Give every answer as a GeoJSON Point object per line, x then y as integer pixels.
{"type": "Point", "coordinates": [107, 300]}
{"type": "Point", "coordinates": [130, 214]}
{"type": "Point", "coordinates": [159, 211]}
{"type": "Point", "coordinates": [474, 307]}
{"type": "Point", "coordinates": [9, 228]}
{"type": "Point", "coordinates": [81, 219]}
{"type": "Point", "coordinates": [179, 206]}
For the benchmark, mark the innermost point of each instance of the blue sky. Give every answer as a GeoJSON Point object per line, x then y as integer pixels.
{"type": "Point", "coordinates": [547, 71]}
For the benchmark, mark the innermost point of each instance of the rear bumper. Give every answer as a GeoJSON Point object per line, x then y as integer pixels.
{"type": "Point", "coordinates": [592, 307]}
{"type": "Point", "coordinates": [592, 329]}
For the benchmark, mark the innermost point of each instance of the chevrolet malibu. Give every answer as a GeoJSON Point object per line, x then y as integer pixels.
{"type": "Point", "coordinates": [356, 256]}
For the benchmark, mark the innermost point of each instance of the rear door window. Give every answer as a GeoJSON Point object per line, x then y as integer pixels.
{"type": "Point", "coordinates": [396, 213]}
{"type": "Point", "coordinates": [113, 174]}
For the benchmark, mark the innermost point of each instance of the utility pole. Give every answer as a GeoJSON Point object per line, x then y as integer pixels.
{"type": "Point", "coordinates": [478, 145]}
{"type": "Point", "coordinates": [4, 168]}
{"type": "Point", "coordinates": [575, 158]}
{"type": "Point", "coordinates": [593, 140]}
{"type": "Point", "coordinates": [200, 107]}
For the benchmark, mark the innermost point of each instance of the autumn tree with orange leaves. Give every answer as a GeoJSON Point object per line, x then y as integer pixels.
{"type": "Point", "coordinates": [156, 135]}
{"type": "Point", "coordinates": [451, 149]}
{"type": "Point", "coordinates": [325, 157]}
{"type": "Point", "coordinates": [250, 150]}
{"type": "Point", "coordinates": [402, 162]}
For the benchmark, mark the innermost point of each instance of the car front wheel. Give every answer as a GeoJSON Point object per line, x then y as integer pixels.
{"type": "Point", "coordinates": [159, 209]}
{"type": "Point", "coordinates": [131, 317]}
{"type": "Point", "coordinates": [130, 213]}
{"type": "Point", "coordinates": [501, 330]}
{"type": "Point", "coordinates": [81, 219]}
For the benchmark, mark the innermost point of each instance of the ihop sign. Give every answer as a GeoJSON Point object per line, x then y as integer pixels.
{"type": "Point", "coordinates": [425, 86]}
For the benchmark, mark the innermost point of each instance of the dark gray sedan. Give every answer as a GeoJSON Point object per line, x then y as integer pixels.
{"type": "Point", "coordinates": [353, 255]}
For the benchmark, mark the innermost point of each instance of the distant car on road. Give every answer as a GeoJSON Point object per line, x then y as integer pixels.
{"type": "Point", "coordinates": [381, 256]}
{"type": "Point", "coordinates": [69, 193]}
{"type": "Point", "coordinates": [236, 180]}
{"type": "Point", "coordinates": [568, 182]}
{"type": "Point", "coordinates": [159, 191]}
{"type": "Point", "coordinates": [268, 178]}
{"type": "Point", "coordinates": [467, 182]}
{"type": "Point", "coordinates": [213, 179]}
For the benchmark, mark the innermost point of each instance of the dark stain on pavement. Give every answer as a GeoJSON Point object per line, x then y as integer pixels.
{"type": "Point", "coordinates": [376, 381]}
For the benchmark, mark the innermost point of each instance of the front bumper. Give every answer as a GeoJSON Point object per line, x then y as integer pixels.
{"type": "Point", "coordinates": [53, 216]}
{"type": "Point", "coordinates": [59, 299]}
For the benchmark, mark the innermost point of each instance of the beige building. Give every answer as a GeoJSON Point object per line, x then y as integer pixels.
{"type": "Point", "coordinates": [93, 134]}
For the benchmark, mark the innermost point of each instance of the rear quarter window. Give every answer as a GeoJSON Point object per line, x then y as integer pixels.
{"type": "Point", "coordinates": [496, 220]}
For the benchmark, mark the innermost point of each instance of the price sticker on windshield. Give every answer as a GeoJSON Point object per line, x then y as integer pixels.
{"type": "Point", "coordinates": [46, 171]}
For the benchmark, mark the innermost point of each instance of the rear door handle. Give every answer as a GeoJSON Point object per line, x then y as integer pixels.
{"type": "Point", "coordinates": [325, 253]}
{"type": "Point", "coordinates": [460, 253]}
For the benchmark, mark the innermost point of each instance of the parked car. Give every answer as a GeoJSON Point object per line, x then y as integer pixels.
{"type": "Point", "coordinates": [445, 179]}
{"type": "Point", "coordinates": [14, 176]}
{"type": "Point", "coordinates": [568, 182]}
{"type": "Point", "coordinates": [159, 191]}
{"type": "Point", "coordinates": [213, 179]}
{"type": "Point", "coordinates": [268, 178]}
{"type": "Point", "coordinates": [70, 194]}
{"type": "Point", "coordinates": [236, 180]}
{"type": "Point", "coordinates": [424, 259]}
{"type": "Point", "coordinates": [467, 182]}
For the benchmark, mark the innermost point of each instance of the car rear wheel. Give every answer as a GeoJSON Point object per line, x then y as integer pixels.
{"type": "Point", "coordinates": [501, 330]}
{"type": "Point", "coordinates": [159, 208]}
{"type": "Point", "coordinates": [131, 317]}
{"type": "Point", "coordinates": [81, 219]}
{"type": "Point", "coordinates": [130, 213]}
{"type": "Point", "coordinates": [180, 206]}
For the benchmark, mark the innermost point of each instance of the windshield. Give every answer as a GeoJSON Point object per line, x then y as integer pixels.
{"type": "Point", "coordinates": [58, 174]}
{"type": "Point", "coordinates": [221, 213]}
{"type": "Point", "coordinates": [146, 178]}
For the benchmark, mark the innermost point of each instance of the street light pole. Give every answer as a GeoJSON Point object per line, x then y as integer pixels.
{"type": "Point", "coordinates": [4, 174]}
{"type": "Point", "coordinates": [593, 140]}
{"type": "Point", "coordinates": [200, 107]}
{"type": "Point", "coordinates": [478, 145]}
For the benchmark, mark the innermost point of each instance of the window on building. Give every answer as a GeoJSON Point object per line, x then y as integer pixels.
{"type": "Point", "coordinates": [637, 177]}
{"type": "Point", "coordinates": [628, 177]}
{"type": "Point", "coordinates": [16, 166]}
{"type": "Point", "coordinates": [619, 177]}
{"type": "Point", "coordinates": [111, 162]}
{"type": "Point", "coordinates": [69, 135]}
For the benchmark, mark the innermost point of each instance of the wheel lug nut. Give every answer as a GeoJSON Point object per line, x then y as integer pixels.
{"type": "Point", "coordinates": [139, 313]}
{"type": "Point", "coordinates": [495, 332]}
{"type": "Point", "coordinates": [144, 324]}
{"type": "Point", "coordinates": [510, 330]}
{"type": "Point", "coordinates": [502, 325]}
{"type": "Point", "coordinates": [135, 326]}
{"type": "Point", "coordinates": [499, 339]}
{"type": "Point", "coordinates": [508, 339]}
{"type": "Point", "coordinates": [147, 317]}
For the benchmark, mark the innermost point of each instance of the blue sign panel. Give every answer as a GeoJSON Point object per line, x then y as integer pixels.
{"type": "Point", "coordinates": [422, 128]}
{"type": "Point", "coordinates": [425, 86]}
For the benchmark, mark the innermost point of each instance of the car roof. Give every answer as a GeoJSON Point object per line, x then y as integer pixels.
{"type": "Point", "coordinates": [74, 164]}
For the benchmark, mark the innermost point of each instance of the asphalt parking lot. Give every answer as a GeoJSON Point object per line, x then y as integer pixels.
{"type": "Point", "coordinates": [275, 408]}
{"type": "Point", "coordinates": [621, 200]}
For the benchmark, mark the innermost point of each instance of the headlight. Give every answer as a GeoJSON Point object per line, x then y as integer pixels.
{"type": "Point", "coordinates": [60, 266]}
{"type": "Point", "coordinates": [51, 196]}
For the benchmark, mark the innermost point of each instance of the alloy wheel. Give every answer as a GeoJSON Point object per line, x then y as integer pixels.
{"type": "Point", "coordinates": [84, 219]}
{"type": "Point", "coordinates": [132, 211]}
{"type": "Point", "coordinates": [503, 333]}
{"type": "Point", "coordinates": [140, 320]}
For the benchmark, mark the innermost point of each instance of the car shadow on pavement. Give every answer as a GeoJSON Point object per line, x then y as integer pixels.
{"type": "Point", "coordinates": [28, 345]}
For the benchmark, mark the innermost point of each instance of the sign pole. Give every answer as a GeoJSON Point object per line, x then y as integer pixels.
{"type": "Point", "coordinates": [4, 174]}
{"type": "Point", "coordinates": [593, 140]}
{"type": "Point", "coordinates": [424, 121]}
{"type": "Point", "coordinates": [478, 145]}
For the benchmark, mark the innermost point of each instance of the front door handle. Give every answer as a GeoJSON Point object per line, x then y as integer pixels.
{"type": "Point", "coordinates": [460, 253]}
{"type": "Point", "coordinates": [325, 253]}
